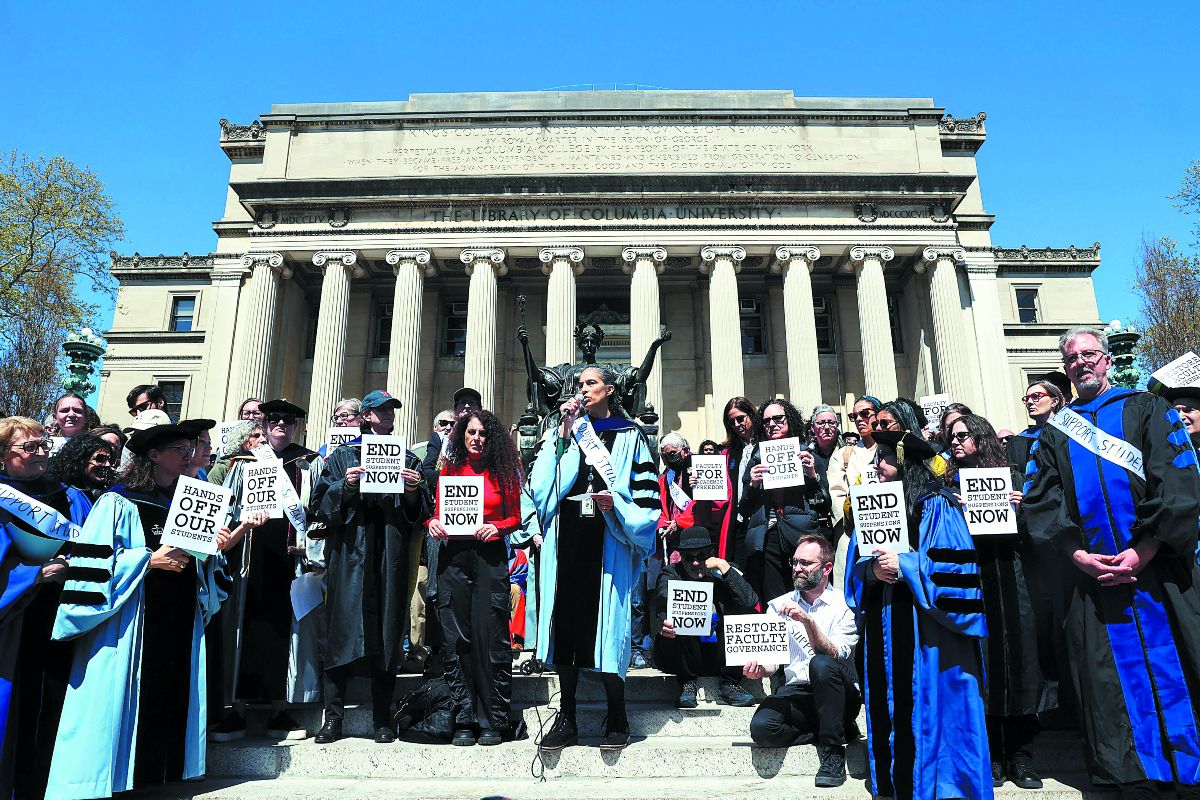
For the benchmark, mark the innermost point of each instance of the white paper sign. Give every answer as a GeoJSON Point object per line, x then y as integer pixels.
{"type": "Point", "coordinates": [264, 452]}
{"type": "Point", "coordinates": [870, 474]}
{"type": "Point", "coordinates": [986, 495]}
{"type": "Point", "coordinates": [223, 430]}
{"type": "Point", "coordinates": [383, 458]}
{"type": "Point", "coordinates": [1183, 371]}
{"type": "Point", "coordinates": [709, 481]}
{"type": "Point", "coordinates": [261, 482]}
{"type": "Point", "coordinates": [460, 503]}
{"type": "Point", "coordinates": [934, 406]}
{"type": "Point", "coordinates": [338, 436]}
{"type": "Point", "coordinates": [756, 637]}
{"type": "Point", "coordinates": [880, 517]}
{"type": "Point", "coordinates": [196, 516]}
{"type": "Point", "coordinates": [782, 457]}
{"type": "Point", "coordinates": [56, 444]}
{"type": "Point", "coordinates": [690, 607]}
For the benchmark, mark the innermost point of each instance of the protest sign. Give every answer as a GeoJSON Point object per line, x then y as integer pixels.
{"type": "Point", "coordinates": [870, 474]}
{"type": "Point", "coordinates": [261, 481]}
{"type": "Point", "coordinates": [339, 436]}
{"type": "Point", "coordinates": [782, 456]}
{"type": "Point", "coordinates": [690, 607]}
{"type": "Point", "coordinates": [196, 516]}
{"type": "Point", "coordinates": [880, 517]}
{"type": "Point", "coordinates": [756, 637]}
{"type": "Point", "coordinates": [1183, 371]}
{"type": "Point", "coordinates": [383, 458]}
{"type": "Point", "coordinates": [264, 452]}
{"type": "Point", "coordinates": [223, 430]}
{"type": "Point", "coordinates": [709, 481]}
{"type": "Point", "coordinates": [56, 444]}
{"type": "Point", "coordinates": [987, 496]}
{"type": "Point", "coordinates": [934, 406]}
{"type": "Point", "coordinates": [460, 503]}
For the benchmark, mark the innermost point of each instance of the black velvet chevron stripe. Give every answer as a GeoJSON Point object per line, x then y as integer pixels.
{"type": "Point", "coordinates": [646, 502]}
{"type": "Point", "coordinates": [72, 597]}
{"type": "Point", "coordinates": [644, 485]}
{"type": "Point", "coordinates": [959, 605]}
{"type": "Point", "coordinates": [951, 556]}
{"type": "Point", "coordinates": [643, 466]}
{"type": "Point", "coordinates": [84, 550]}
{"type": "Point", "coordinates": [956, 580]}
{"type": "Point", "coordinates": [88, 574]}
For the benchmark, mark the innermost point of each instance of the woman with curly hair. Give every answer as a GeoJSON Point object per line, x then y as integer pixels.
{"type": "Point", "coordinates": [472, 581]}
{"type": "Point", "coordinates": [87, 463]}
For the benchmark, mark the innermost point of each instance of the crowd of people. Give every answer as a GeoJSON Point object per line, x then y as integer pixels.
{"type": "Point", "coordinates": [121, 656]}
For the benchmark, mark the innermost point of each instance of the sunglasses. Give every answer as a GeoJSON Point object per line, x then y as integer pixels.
{"type": "Point", "coordinates": [444, 423]}
{"type": "Point", "coordinates": [286, 419]}
{"type": "Point", "coordinates": [32, 447]}
{"type": "Point", "coordinates": [863, 415]}
{"type": "Point", "coordinates": [101, 459]}
{"type": "Point", "coordinates": [697, 556]}
{"type": "Point", "coordinates": [778, 419]}
{"type": "Point", "coordinates": [961, 437]}
{"type": "Point", "coordinates": [140, 407]}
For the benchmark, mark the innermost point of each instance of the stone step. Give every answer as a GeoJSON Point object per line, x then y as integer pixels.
{"type": "Point", "coordinates": [1061, 787]}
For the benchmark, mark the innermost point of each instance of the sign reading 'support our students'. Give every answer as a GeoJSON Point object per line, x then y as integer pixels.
{"type": "Point", "coordinates": [708, 478]}
{"type": "Point", "coordinates": [987, 496]}
{"type": "Point", "coordinates": [383, 459]}
{"type": "Point", "coordinates": [880, 517]}
{"type": "Point", "coordinates": [782, 457]}
{"type": "Point", "coordinates": [196, 516]}
{"type": "Point", "coordinates": [690, 607]}
{"type": "Point", "coordinates": [756, 637]}
{"type": "Point", "coordinates": [460, 503]}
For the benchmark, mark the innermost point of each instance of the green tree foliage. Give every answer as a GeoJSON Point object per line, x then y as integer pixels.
{"type": "Point", "coordinates": [57, 226]}
{"type": "Point", "coordinates": [1168, 282]}
{"type": "Point", "coordinates": [1188, 199]}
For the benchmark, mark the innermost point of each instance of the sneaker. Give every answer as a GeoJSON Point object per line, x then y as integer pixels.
{"type": "Point", "coordinates": [563, 733]}
{"type": "Point", "coordinates": [833, 767]}
{"type": "Point", "coordinates": [731, 693]}
{"type": "Point", "coordinates": [616, 736]}
{"type": "Point", "coordinates": [281, 726]}
{"type": "Point", "coordinates": [1021, 772]}
{"type": "Point", "coordinates": [638, 660]}
{"type": "Point", "coordinates": [232, 726]}
{"type": "Point", "coordinates": [687, 695]}
{"type": "Point", "coordinates": [997, 774]}
{"type": "Point", "coordinates": [330, 732]}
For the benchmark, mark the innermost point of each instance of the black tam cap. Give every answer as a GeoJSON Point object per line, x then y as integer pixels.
{"type": "Point", "coordinates": [142, 442]}
{"type": "Point", "coordinates": [197, 426]}
{"type": "Point", "coordinates": [907, 445]}
{"type": "Point", "coordinates": [282, 406]}
{"type": "Point", "coordinates": [695, 538]}
{"type": "Point", "coordinates": [1057, 379]}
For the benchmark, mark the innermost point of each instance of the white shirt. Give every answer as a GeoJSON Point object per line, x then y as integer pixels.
{"type": "Point", "coordinates": [833, 618]}
{"type": "Point", "coordinates": [846, 467]}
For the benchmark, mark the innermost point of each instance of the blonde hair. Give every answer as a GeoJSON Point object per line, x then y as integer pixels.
{"type": "Point", "coordinates": [11, 426]}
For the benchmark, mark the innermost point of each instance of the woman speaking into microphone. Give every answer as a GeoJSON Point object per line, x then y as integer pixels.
{"type": "Point", "coordinates": [472, 581]}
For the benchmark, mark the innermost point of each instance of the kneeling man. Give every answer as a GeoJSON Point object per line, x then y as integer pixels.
{"type": "Point", "coordinates": [818, 701]}
{"type": "Point", "coordinates": [691, 657]}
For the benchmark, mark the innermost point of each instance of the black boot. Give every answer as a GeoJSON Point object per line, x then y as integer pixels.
{"type": "Point", "coordinates": [563, 733]}
{"type": "Point", "coordinates": [330, 732]}
{"type": "Point", "coordinates": [616, 732]}
{"type": "Point", "coordinates": [1021, 771]}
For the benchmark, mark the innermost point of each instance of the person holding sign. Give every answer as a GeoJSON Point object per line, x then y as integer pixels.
{"type": "Point", "coordinates": [739, 418]}
{"type": "Point", "coordinates": [136, 610]}
{"type": "Point", "coordinates": [367, 556]}
{"type": "Point", "coordinates": [595, 497]}
{"type": "Point", "coordinates": [1115, 489]}
{"type": "Point", "coordinates": [472, 580]}
{"type": "Point", "coordinates": [779, 517]}
{"type": "Point", "coordinates": [921, 615]}
{"type": "Point", "coordinates": [678, 651]}
{"type": "Point", "coordinates": [1005, 562]}
{"type": "Point", "coordinates": [849, 467]}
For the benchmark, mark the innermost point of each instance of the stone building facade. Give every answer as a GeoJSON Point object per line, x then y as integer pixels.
{"type": "Point", "coordinates": [812, 248]}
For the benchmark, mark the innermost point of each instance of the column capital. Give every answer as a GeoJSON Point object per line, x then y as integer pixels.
{"type": "Point", "coordinates": [792, 252]}
{"type": "Point", "coordinates": [862, 253]}
{"type": "Point", "coordinates": [713, 253]}
{"type": "Point", "coordinates": [419, 258]}
{"type": "Point", "coordinates": [348, 259]}
{"type": "Point", "coordinates": [653, 253]}
{"type": "Point", "coordinates": [568, 253]}
{"type": "Point", "coordinates": [493, 254]}
{"type": "Point", "coordinates": [935, 253]}
{"type": "Point", "coordinates": [273, 260]}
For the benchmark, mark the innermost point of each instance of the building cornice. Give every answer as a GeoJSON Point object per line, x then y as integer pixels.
{"type": "Point", "coordinates": [1045, 260]}
{"type": "Point", "coordinates": [963, 134]}
{"type": "Point", "coordinates": [243, 141]}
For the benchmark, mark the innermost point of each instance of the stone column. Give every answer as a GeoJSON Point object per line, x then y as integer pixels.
{"type": "Point", "coordinates": [949, 335]}
{"type": "Point", "coordinates": [645, 264]}
{"type": "Point", "coordinates": [722, 264]}
{"type": "Point", "coordinates": [804, 365]}
{"type": "Point", "coordinates": [874, 325]}
{"type": "Point", "coordinates": [329, 356]}
{"type": "Point", "coordinates": [256, 329]}
{"type": "Point", "coordinates": [410, 267]}
{"type": "Point", "coordinates": [999, 400]}
{"type": "Point", "coordinates": [562, 264]}
{"type": "Point", "coordinates": [480, 360]}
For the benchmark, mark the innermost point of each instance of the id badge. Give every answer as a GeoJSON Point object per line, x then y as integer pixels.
{"type": "Point", "coordinates": [587, 507]}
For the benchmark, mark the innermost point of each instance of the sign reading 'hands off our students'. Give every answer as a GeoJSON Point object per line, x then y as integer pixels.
{"type": "Point", "coordinates": [782, 459]}
{"type": "Point", "coordinates": [196, 516]}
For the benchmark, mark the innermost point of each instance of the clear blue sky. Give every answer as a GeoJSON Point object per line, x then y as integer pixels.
{"type": "Point", "coordinates": [1093, 109]}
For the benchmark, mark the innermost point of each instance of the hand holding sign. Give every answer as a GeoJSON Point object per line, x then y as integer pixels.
{"type": "Point", "coordinates": [690, 607]}
{"type": "Point", "coordinates": [987, 500]}
{"type": "Point", "coordinates": [880, 516]}
{"type": "Point", "coordinates": [758, 638]}
{"type": "Point", "coordinates": [384, 460]}
{"type": "Point", "coordinates": [196, 516]}
{"type": "Point", "coordinates": [784, 467]}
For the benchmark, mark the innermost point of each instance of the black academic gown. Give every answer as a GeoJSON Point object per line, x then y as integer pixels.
{"type": "Point", "coordinates": [1134, 648]}
{"type": "Point", "coordinates": [366, 562]}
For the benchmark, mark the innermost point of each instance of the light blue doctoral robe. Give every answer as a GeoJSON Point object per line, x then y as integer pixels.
{"type": "Point", "coordinates": [629, 528]}
{"type": "Point", "coordinates": [94, 753]}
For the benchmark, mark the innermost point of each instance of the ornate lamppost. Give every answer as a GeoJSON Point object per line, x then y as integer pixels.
{"type": "Point", "coordinates": [84, 349]}
{"type": "Point", "coordinates": [1121, 342]}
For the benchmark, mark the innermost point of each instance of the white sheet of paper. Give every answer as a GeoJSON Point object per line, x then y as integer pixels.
{"type": "Point", "coordinates": [196, 516]}
{"type": "Point", "coordinates": [1183, 371]}
{"type": "Point", "coordinates": [690, 607]}
{"type": "Point", "coordinates": [934, 405]}
{"type": "Point", "coordinates": [336, 437]}
{"type": "Point", "coordinates": [460, 503]}
{"type": "Point", "coordinates": [880, 517]}
{"type": "Point", "coordinates": [709, 480]}
{"type": "Point", "coordinates": [383, 458]}
{"type": "Point", "coordinates": [260, 488]}
{"type": "Point", "coordinates": [307, 593]}
{"type": "Point", "coordinates": [264, 452]}
{"type": "Point", "coordinates": [56, 444]}
{"type": "Point", "coordinates": [756, 637]}
{"type": "Point", "coordinates": [783, 458]}
{"type": "Point", "coordinates": [987, 500]}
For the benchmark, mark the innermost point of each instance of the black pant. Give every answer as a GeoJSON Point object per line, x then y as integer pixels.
{"type": "Point", "coordinates": [807, 712]}
{"type": "Point", "coordinates": [473, 609]}
{"type": "Point", "coordinates": [383, 687]}
{"type": "Point", "coordinates": [1009, 735]}
{"type": "Point", "coordinates": [687, 658]}
{"type": "Point", "coordinates": [1149, 791]}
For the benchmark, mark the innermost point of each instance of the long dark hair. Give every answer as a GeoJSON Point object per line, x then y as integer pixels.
{"type": "Point", "coordinates": [904, 415]}
{"type": "Point", "coordinates": [744, 405]}
{"type": "Point", "coordinates": [69, 465]}
{"type": "Point", "coordinates": [500, 456]}
{"type": "Point", "coordinates": [988, 449]}
{"type": "Point", "coordinates": [918, 413]}
{"type": "Point", "coordinates": [795, 419]}
{"type": "Point", "coordinates": [953, 408]}
{"type": "Point", "coordinates": [138, 474]}
{"type": "Point", "coordinates": [915, 474]}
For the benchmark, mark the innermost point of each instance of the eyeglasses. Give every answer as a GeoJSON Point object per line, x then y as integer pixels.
{"type": "Point", "coordinates": [865, 414]}
{"type": "Point", "coordinates": [32, 447]}
{"type": "Point", "coordinates": [184, 451]}
{"type": "Point", "coordinates": [286, 419]}
{"type": "Point", "coordinates": [778, 419]}
{"type": "Point", "coordinates": [882, 424]}
{"type": "Point", "coordinates": [252, 416]}
{"type": "Point", "coordinates": [800, 562]}
{"type": "Point", "coordinates": [343, 416]}
{"type": "Point", "coordinates": [1085, 356]}
{"type": "Point", "coordinates": [826, 423]}
{"type": "Point", "coordinates": [1034, 397]}
{"type": "Point", "coordinates": [444, 423]}
{"type": "Point", "coordinates": [961, 436]}
{"type": "Point", "coordinates": [697, 556]}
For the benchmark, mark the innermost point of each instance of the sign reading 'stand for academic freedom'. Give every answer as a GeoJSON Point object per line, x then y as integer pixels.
{"type": "Point", "coordinates": [460, 504]}
{"type": "Point", "coordinates": [709, 481]}
{"type": "Point", "coordinates": [880, 517]}
{"type": "Point", "coordinates": [987, 500]}
{"type": "Point", "coordinates": [196, 516]}
{"type": "Point", "coordinates": [782, 457]}
{"type": "Point", "coordinates": [762, 638]}
{"type": "Point", "coordinates": [383, 461]}
{"type": "Point", "coordinates": [690, 607]}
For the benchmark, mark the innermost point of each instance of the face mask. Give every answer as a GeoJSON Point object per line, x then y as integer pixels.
{"type": "Point", "coordinates": [673, 459]}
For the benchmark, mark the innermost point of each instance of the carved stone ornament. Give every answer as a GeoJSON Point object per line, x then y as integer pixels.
{"type": "Point", "coordinates": [602, 316]}
{"type": "Point", "coordinates": [866, 212]}
{"type": "Point", "coordinates": [860, 254]}
{"type": "Point", "coordinates": [348, 258]}
{"type": "Point", "coordinates": [138, 261]}
{"type": "Point", "coordinates": [573, 255]}
{"type": "Point", "coordinates": [419, 258]}
{"type": "Point", "coordinates": [266, 220]}
{"type": "Point", "coordinates": [795, 252]}
{"type": "Point", "coordinates": [1071, 253]}
{"type": "Point", "coordinates": [232, 133]}
{"type": "Point", "coordinates": [711, 254]}
{"type": "Point", "coordinates": [338, 217]}
{"type": "Point", "coordinates": [654, 254]}
{"type": "Point", "coordinates": [272, 260]}
{"type": "Point", "coordinates": [948, 124]}
{"type": "Point", "coordinates": [493, 254]}
{"type": "Point", "coordinates": [938, 213]}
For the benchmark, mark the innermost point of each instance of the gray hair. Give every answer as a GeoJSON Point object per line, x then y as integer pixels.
{"type": "Point", "coordinates": [822, 408]}
{"type": "Point", "coordinates": [1072, 334]}
{"type": "Point", "coordinates": [673, 438]}
{"type": "Point", "coordinates": [238, 435]}
{"type": "Point", "coordinates": [353, 402]}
